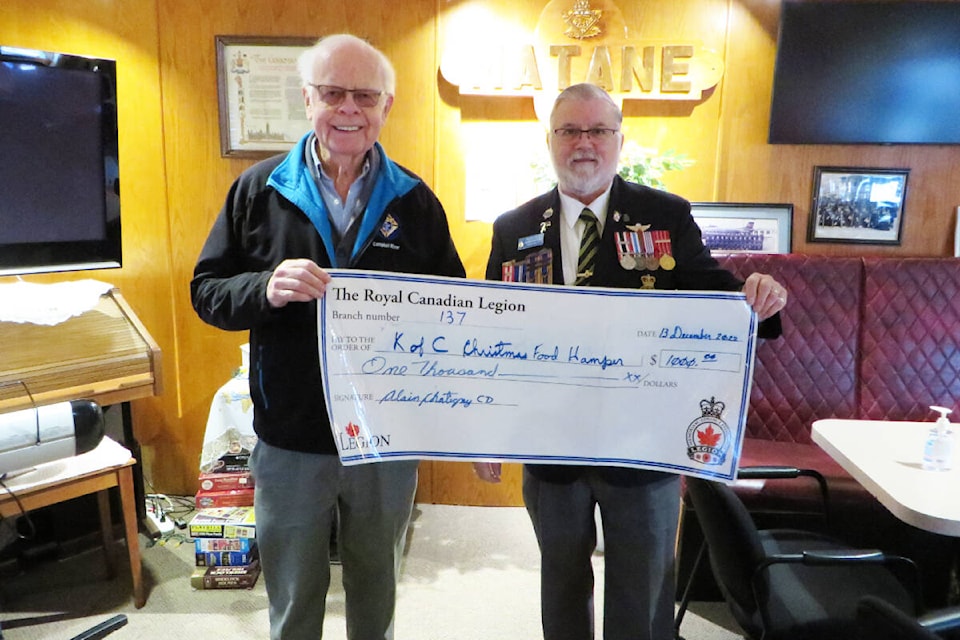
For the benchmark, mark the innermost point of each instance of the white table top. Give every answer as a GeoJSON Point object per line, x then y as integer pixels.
{"type": "Point", "coordinates": [885, 457]}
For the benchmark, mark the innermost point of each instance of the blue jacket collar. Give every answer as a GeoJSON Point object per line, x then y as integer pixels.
{"type": "Point", "coordinates": [293, 180]}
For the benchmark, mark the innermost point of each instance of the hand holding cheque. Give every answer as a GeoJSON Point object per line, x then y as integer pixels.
{"type": "Point", "coordinates": [419, 367]}
{"type": "Point", "coordinates": [764, 294]}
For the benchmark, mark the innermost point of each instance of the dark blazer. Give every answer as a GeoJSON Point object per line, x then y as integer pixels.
{"type": "Point", "coordinates": [635, 204]}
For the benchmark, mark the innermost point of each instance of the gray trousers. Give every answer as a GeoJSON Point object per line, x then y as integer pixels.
{"type": "Point", "coordinates": [639, 534]}
{"type": "Point", "coordinates": [295, 500]}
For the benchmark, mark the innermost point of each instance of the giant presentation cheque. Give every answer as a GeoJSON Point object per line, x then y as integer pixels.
{"type": "Point", "coordinates": [450, 369]}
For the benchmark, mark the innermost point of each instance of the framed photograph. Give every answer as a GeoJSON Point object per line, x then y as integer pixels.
{"type": "Point", "coordinates": [258, 87]}
{"type": "Point", "coordinates": [744, 228]}
{"type": "Point", "coordinates": [857, 205]}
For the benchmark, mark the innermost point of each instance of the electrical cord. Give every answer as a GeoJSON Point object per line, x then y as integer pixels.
{"type": "Point", "coordinates": [32, 530]}
{"type": "Point", "coordinates": [177, 508]}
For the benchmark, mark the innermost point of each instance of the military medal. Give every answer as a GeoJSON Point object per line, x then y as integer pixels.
{"type": "Point", "coordinates": [662, 249]}
{"type": "Point", "coordinates": [636, 248]}
{"type": "Point", "coordinates": [645, 240]}
{"type": "Point", "coordinates": [627, 251]}
{"type": "Point", "coordinates": [641, 244]}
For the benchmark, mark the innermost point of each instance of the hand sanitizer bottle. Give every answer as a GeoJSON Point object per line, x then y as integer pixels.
{"type": "Point", "coordinates": [938, 450]}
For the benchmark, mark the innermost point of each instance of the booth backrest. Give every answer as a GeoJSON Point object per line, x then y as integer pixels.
{"type": "Point", "coordinates": [810, 372]}
{"type": "Point", "coordinates": [910, 338]}
{"type": "Point", "coordinates": [868, 338]}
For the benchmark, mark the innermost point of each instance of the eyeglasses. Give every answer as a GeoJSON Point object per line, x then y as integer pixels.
{"type": "Point", "coordinates": [596, 134]}
{"type": "Point", "coordinates": [334, 96]}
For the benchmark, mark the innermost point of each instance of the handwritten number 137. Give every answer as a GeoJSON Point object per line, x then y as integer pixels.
{"type": "Point", "coordinates": [450, 317]}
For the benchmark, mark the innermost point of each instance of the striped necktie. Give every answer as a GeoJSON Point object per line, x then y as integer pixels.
{"type": "Point", "coordinates": [589, 246]}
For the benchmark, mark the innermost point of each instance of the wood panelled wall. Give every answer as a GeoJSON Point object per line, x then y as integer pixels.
{"type": "Point", "coordinates": [174, 178]}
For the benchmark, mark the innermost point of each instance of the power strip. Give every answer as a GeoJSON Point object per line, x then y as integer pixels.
{"type": "Point", "coordinates": [158, 526]}
{"type": "Point", "coordinates": [158, 523]}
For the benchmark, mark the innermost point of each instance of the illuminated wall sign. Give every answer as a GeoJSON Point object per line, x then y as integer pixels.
{"type": "Point", "coordinates": [577, 41]}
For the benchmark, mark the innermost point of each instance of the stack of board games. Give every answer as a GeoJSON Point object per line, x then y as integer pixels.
{"type": "Point", "coordinates": [225, 489]}
{"type": "Point", "coordinates": [225, 544]}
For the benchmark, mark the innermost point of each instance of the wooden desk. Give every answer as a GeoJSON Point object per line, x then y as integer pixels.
{"type": "Point", "coordinates": [885, 457]}
{"type": "Point", "coordinates": [105, 355]}
{"type": "Point", "coordinates": [109, 465]}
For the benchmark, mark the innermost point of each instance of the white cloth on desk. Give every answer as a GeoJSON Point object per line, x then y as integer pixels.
{"type": "Point", "coordinates": [230, 423]}
{"type": "Point", "coordinates": [49, 304]}
{"type": "Point", "coordinates": [108, 453]}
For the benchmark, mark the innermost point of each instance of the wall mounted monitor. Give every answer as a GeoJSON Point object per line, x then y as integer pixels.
{"type": "Point", "coordinates": [867, 73]}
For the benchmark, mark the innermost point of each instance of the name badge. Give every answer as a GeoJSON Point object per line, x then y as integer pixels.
{"type": "Point", "coordinates": [536, 240]}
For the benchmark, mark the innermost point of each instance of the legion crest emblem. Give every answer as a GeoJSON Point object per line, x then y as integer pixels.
{"type": "Point", "coordinates": [708, 437]}
{"type": "Point", "coordinates": [582, 21]}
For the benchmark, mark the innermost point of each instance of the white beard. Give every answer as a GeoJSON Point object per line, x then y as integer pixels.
{"type": "Point", "coordinates": [582, 182]}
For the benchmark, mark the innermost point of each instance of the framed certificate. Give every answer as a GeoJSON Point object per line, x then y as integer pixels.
{"type": "Point", "coordinates": [259, 93]}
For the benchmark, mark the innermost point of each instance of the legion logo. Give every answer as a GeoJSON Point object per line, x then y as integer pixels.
{"type": "Point", "coordinates": [708, 437]}
{"type": "Point", "coordinates": [351, 439]}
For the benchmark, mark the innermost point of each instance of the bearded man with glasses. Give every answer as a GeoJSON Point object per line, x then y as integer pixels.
{"type": "Point", "coordinates": [334, 201]}
{"type": "Point", "coordinates": [596, 229]}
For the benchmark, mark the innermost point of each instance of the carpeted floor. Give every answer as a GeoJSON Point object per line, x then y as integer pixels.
{"type": "Point", "coordinates": [470, 573]}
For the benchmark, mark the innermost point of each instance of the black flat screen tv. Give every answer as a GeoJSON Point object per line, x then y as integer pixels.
{"type": "Point", "coordinates": [59, 162]}
{"type": "Point", "coordinates": [867, 73]}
